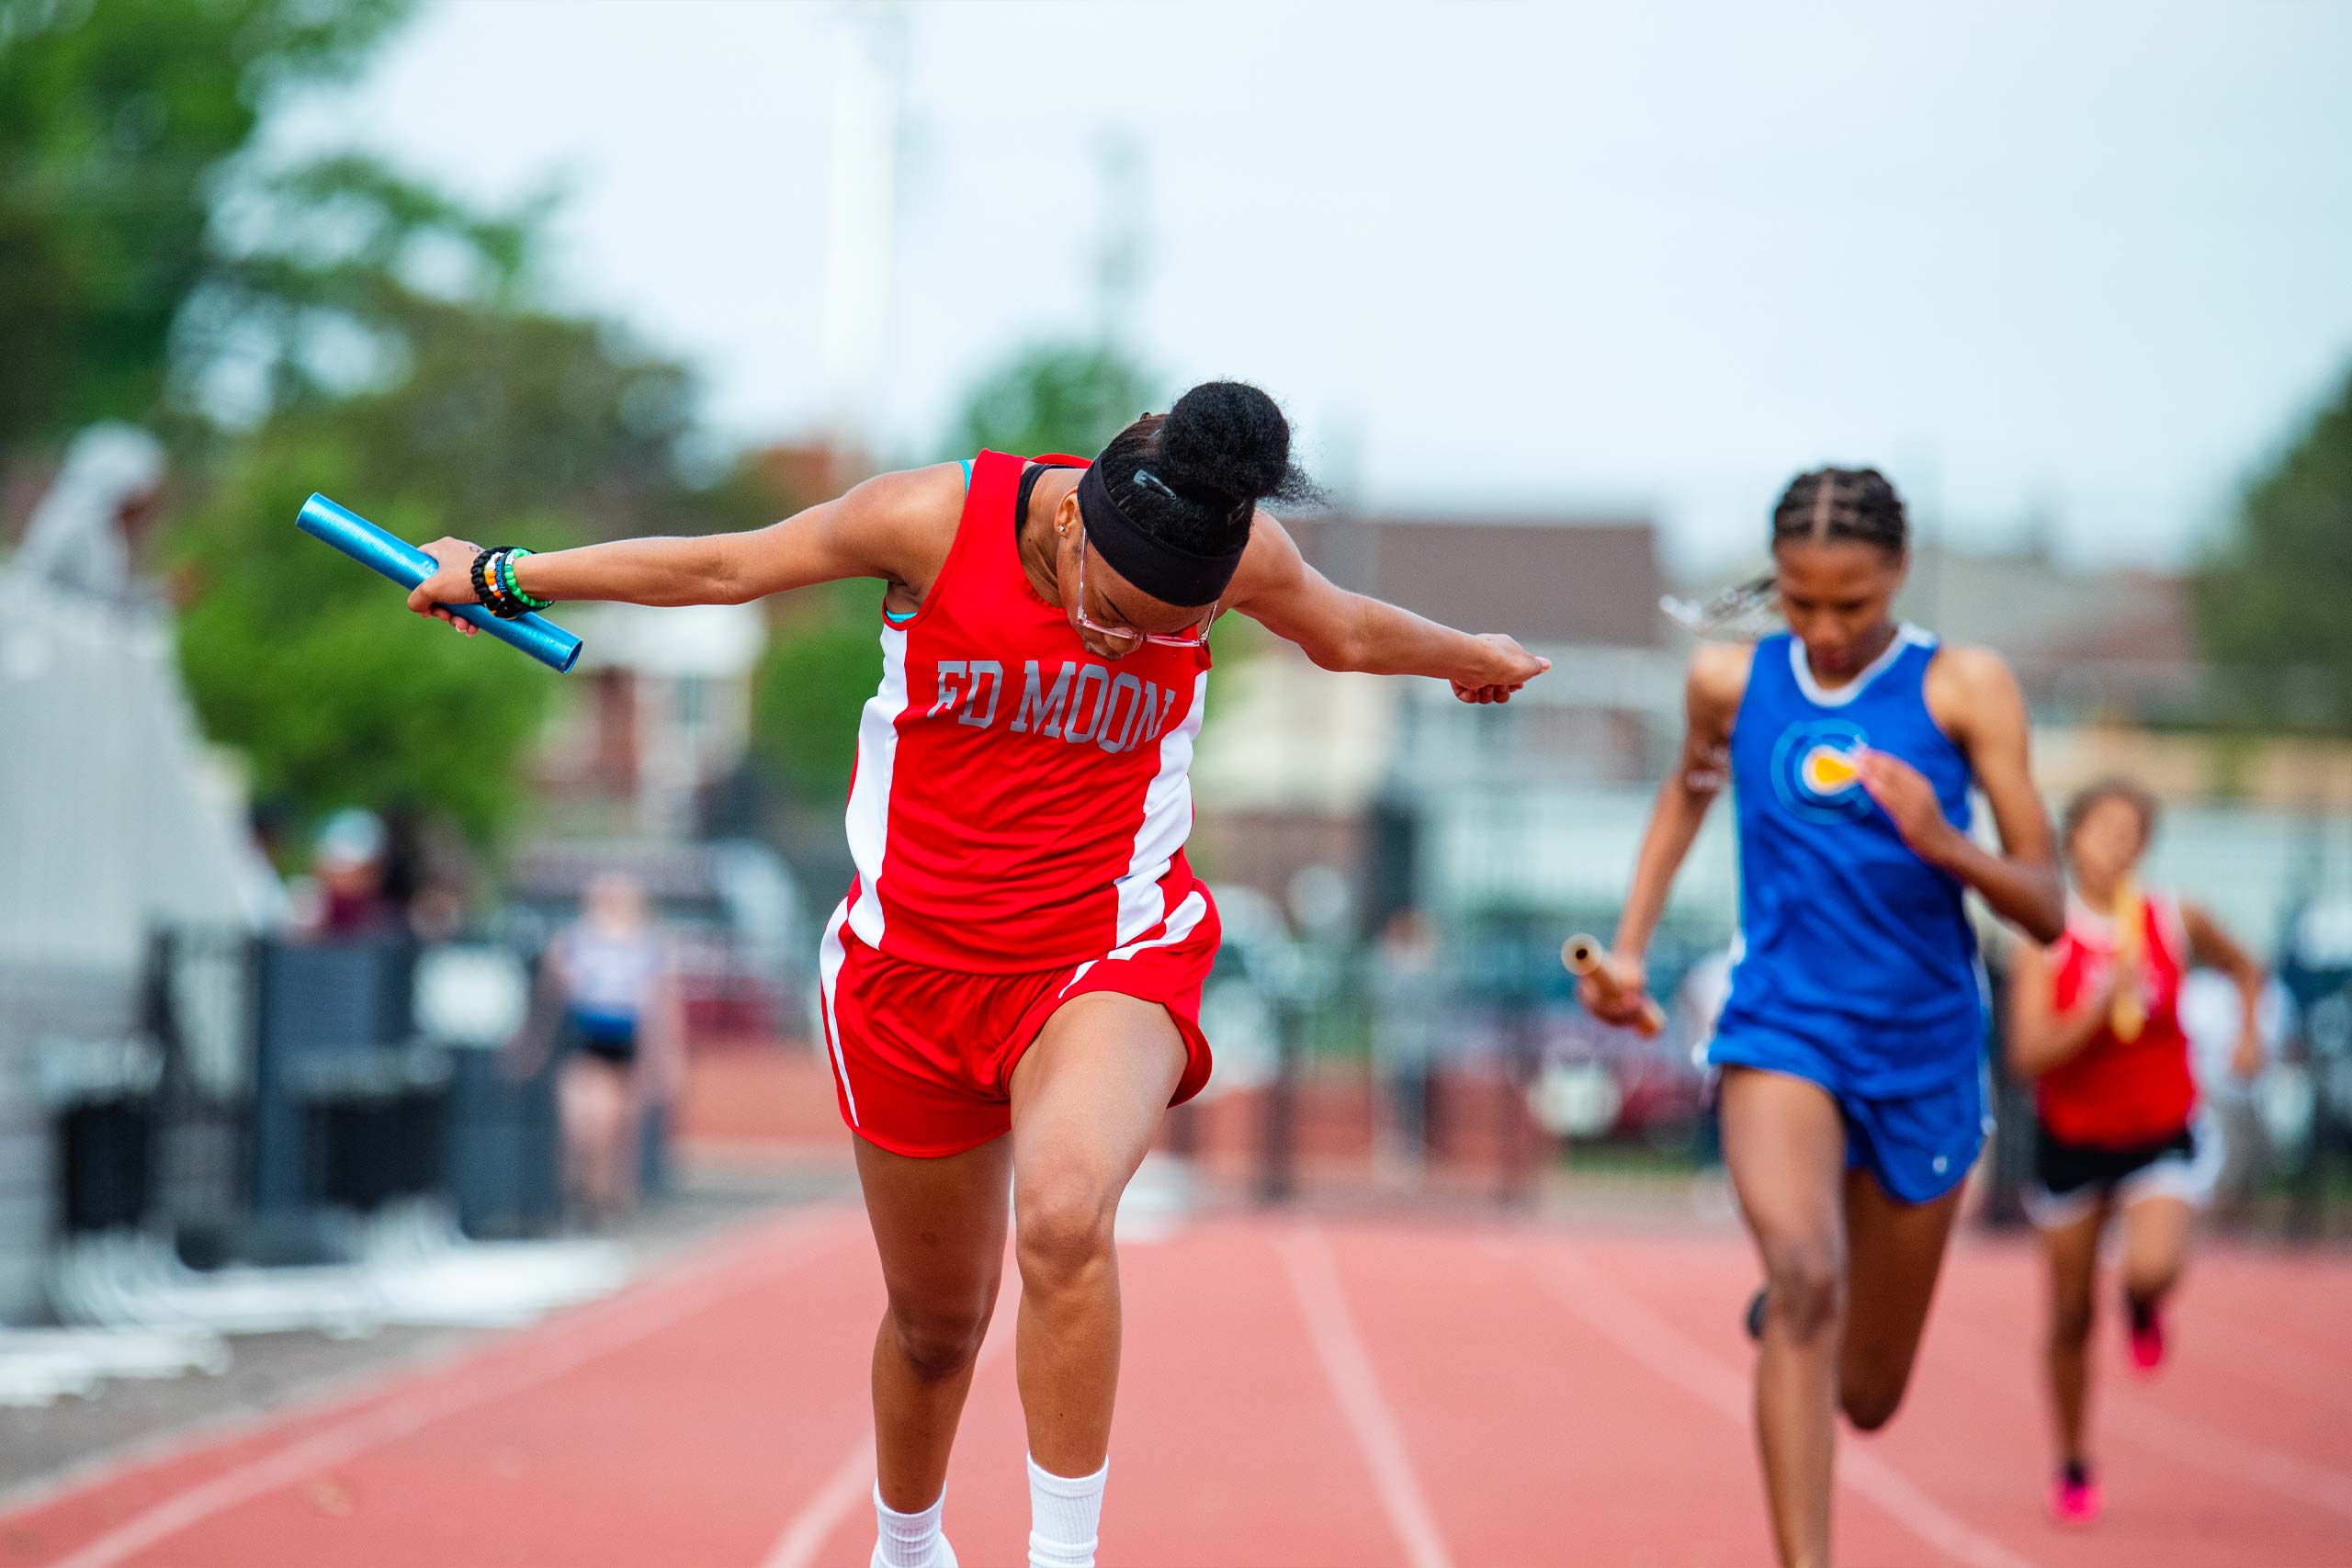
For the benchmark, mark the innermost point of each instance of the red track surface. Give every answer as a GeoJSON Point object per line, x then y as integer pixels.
{"type": "Point", "coordinates": [1296, 1391]}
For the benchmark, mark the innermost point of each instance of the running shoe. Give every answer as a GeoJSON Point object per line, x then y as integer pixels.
{"type": "Point", "coordinates": [2147, 1335]}
{"type": "Point", "coordinates": [1755, 1318]}
{"type": "Point", "coordinates": [2074, 1495]}
{"type": "Point", "coordinates": [943, 1555]}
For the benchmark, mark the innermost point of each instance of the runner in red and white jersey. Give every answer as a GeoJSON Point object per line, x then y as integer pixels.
{"type": "Point", "coordinates": [2095, 1026]}
{"type": "Point", "coordinates": [1024, 944]}
{"type": "Point", "coordinates": [1020, 801]}
{"type": "Point", "coordinates": [1018, 812]}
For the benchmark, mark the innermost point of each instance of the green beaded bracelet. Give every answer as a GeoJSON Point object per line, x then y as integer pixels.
{"type": "Point", "coordinates": [515, 589]}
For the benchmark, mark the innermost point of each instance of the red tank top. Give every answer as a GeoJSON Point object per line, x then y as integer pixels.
{"type": "Point", "coordinates": [1019, 804]}
{"type": "Point", "coordinates": [2119, 1093]}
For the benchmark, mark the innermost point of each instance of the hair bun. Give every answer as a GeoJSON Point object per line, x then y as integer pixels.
{"type": "Point", "coordinates": [1228, 445]}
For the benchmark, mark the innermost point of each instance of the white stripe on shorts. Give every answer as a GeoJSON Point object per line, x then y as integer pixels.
{"type": "Point", "coordinates": [1182, 921]}
{"type": "Point", "coordinates": [830, 954]}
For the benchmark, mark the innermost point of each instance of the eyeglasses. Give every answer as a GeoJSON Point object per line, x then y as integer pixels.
{"type": "Point", "coordinates": [1191, 636]}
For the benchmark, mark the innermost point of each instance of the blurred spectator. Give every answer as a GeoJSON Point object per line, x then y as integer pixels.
{"type": "Point", "coordinates": [1408, 990]}
{"type": "Point", "coordinates": [84, 536]}
{"type": "Point", "coordinates": [610, 977]}
{"type": "Point", "coordinates": [349, 866]}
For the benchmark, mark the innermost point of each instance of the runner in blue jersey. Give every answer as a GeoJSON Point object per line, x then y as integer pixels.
{"type": "Point", "coordinates": [1851, 1098]}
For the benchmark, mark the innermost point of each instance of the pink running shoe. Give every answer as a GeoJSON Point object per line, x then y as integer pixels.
{"type": "Point", "coordinates": [2147, 1337]}
{"type": "Point", "coordinates": [2075, 1497]}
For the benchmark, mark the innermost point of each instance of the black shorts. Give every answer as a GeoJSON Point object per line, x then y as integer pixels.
{"type": "Point", "coordinates": [606, 1041]}
{"type": "Point", "coordinates": [2070, 1180]}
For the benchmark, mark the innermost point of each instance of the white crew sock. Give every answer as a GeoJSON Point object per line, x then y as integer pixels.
{"type": "Point", "coordinates": [1065, 1513]}
{"type": "Point", "coordinates": [909, 1541]}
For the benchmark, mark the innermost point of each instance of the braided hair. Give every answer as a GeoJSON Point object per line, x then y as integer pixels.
{"type": "Point", "coordinates": [1819, 505]}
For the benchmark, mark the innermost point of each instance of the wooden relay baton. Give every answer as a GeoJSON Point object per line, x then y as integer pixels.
{"type": "Point", "coordinates": [1584, 955]}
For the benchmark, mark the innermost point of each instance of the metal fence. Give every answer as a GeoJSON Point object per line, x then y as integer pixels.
{"type": "Point", "coordinates": [265, 1092]}
{"type": "Point", "coordinates": [247, 1136]}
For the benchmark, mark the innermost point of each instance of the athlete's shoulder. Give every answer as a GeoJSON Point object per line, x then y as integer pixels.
{"type": "Point", "coordinates": [1718, 680]}
{"type": "Point", "coordinates": [1966, 685]}
{"type": "Point", "coordinates": [1970, 665]}
{"type": "Point", "coordinates": [910, 496]}
{"type": "Point", "coordinates": [906, 520]}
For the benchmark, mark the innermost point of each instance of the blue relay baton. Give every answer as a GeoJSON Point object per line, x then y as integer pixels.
{"type": "Point", "coordinates": [408, 566]}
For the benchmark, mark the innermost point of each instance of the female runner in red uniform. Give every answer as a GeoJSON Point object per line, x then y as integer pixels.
{"type": "Point", "coordinates": [2095, 1026]}
{"type": "Point", "coordinates": [1023, 946]}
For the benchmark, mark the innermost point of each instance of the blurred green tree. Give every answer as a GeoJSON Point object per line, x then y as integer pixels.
{"type": "Point", "coordinates": [2271, 594]}
{"type": "Point", "coordinates": [500, 411]}
{"type": "Point", "coordinates": [505, 426]}
{"type": "Point", "coordinates": [1052, 398]}
{"type": "Point", "coordinates": [822, 662]}
{"type": "Point", "coordinates": [313, 669]}
{"type": "Point", "coordinates": [319, 325]}
{"type": "Point", "coordinates": [120, 124]}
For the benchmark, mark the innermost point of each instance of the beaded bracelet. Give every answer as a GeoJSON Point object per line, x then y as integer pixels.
{"type": "Point", "coordinates": [514, 587]}
{"type": "Point", "coordinates": [490, 586]}
{"type": "Point", "coordinates": [484, 594]}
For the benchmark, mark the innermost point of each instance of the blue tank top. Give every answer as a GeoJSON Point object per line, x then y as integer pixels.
{"type": "Point", "coordinates": [1850, 943]}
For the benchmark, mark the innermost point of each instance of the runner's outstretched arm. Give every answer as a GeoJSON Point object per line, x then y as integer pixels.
{"type": "Point", "coordinates": [882, 528]}
{"type": "Point", "coordinates": [1341, 631]}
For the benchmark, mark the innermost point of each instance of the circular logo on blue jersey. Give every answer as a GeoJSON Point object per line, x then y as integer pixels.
{"type": "Point", "coordinates": [1816, 771]}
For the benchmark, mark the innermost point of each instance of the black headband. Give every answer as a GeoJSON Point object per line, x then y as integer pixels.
{"type": "Point", "coordinates": [1169, 574]}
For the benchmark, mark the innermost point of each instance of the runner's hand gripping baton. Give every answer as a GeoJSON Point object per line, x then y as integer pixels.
{"type": "Point", "coordinates": [1584, 955]}
{"type": "Point", "coordinates": [408, 566]}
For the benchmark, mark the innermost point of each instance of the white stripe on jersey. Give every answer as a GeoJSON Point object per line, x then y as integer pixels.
{"type": "Point", "coordinates": [829, 956]}
{"type": "Point", "coordinates": [869, 797]}
{"type": "Point", "coordinates": [1182, 921]}
{"type": "Point", "coordinates": [1167, 823]}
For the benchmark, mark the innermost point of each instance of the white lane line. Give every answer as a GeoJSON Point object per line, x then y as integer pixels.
{"type": "Point", "coordinates": [851, 1482]}
{"type": "Point", "coordinates": [827, 1510]}
{"type": "Point", "coordinates": [2138, 1421]}
{"type": "Point", "coordinates": [572, 1343]}
{"type": "Point", "coordinates": [1323, 1302]}
{"type": "Point", "coordinates": [316, 1397]}
{"type": "Point", "coordinates": [1650, 1339]}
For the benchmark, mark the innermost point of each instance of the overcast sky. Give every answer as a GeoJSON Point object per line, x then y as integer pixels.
{"type": "Point", "coordinates": [2088, 262]}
